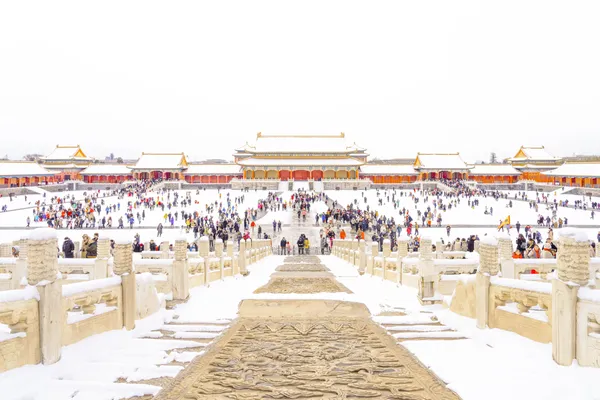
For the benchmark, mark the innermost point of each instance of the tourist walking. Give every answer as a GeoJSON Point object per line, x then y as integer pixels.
{"type": "Point", "coordinates": [68, 248]}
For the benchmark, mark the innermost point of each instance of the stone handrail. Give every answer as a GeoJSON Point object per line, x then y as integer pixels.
{"type": "Point", "coordinates": [91, 308]}
{"type": "Point", "coordinates": [588, 328]}
{"type": "Point", "coordinates": [49, 314]}
{"type": "Point", "coordinates": [513, 268]}
{"type": "Point", "coordinates": [19, 311]}
{"type": "Point", "coordinates": [520, 320]}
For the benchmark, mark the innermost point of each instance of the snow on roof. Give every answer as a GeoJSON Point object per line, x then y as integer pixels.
{"type": "Point", "coordinates": [61, 153]}
{"type": "Point", "coordinates": [450, 161]}
{"type": "Point", "coordinates": [536, 167]}
{"type": "Point", "coordinates": [388, 169]}
{"type": "Point", "coordinates": [13, 169]}
{"type": "Point", "coordinates": [346, 162]}
{"type": "Point", "coordinates": [63, 166]}
{"type": "Point", "coordinates": [213, 169]}
{"type": "Point", "coordinates": [575, 170]}
{"type": "Point", "coordinates": [107, 169]}
{"type": "Point", "coordinates": [161, 161]}
{"type": "Point", "coordinates": [299, 143]}
{"type": "Point", "coordinates": [493, 169]}
{"type": "Point", "coordinates": [533, 153]}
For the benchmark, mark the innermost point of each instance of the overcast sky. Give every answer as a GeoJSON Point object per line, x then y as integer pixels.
{"type": "Point", "coordinates": [397, 77]}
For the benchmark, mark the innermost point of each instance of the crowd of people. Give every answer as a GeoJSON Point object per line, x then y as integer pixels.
{"type": "Point", "coordinates": [429, 208]}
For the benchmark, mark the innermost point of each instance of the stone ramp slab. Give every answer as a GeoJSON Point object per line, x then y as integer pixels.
{"type": "Point", "coordinates": [302, 285]}
{"type": "Point", "coordinates": [305, 349]}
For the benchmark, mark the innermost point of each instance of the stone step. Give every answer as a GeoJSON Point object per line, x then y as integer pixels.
{"type": "Point", "coordinates": [428, 335]}
{"type": "Point", "coordinates": [417, 328]}
{"type": "Point", "coordinates": [194, 328]}
{"type": "Point", "coordinates": [406, 320]}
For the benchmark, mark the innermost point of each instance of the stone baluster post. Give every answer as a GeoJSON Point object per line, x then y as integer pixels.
{"type": "Point", "coordinates": [505, 251]}
{"type": "Point", "coordinates": [123, 267]}
{"type": "Point", "coordinates": [387, 248]}
{"type": "Point", "coordinates": [354, 256]}
{"type": "Point", "coordinates": [203, 251]}
{"type": "Point", "coordinates": [242, 262]}
{"type": "Point", "coordinates": [164, 250]}
{"type": "Point", "coordinates": [20, 270]}
{"type": "Point", "coordinates": [23, 248]}
{"type": "Point", "coordinates": [572, 261]}
{"type": "Point", "coordinates": [77, 249]}
{"type": "Point", "coordinates": [181, 276]}
{"type": "Point", "coordinates": [42, 269]}
{"type": "Point", "coordinates": [101, 261]}
{"type": "Point", "coordinates": [439, 250]}
{"type": "Point", "coordinates": [219, 255]}
{"type": "Point", "coordinates": [428, 277]}
{"type": "Point", "coordinates": [402, 252]}
{"type": "Point", "coordinates": [488, 266]}
{"type": "Point", "coordinates": [362, 254]}
{"type": "Point", "coordinates": [371, 259]}
{"type": "Point", "coordinates": [5, 250]}
{"type": "Point", "coordinates": [230, 256]}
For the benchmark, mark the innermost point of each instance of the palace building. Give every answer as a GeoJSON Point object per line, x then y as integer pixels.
{"type": "Point", "coordinates": [300, 157]}
{"type": "Point", "coordinates": [272, 158]}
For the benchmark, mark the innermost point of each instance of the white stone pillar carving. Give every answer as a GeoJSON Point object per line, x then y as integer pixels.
{"type": "Point", "coordinates": [242, 261]}
{"type": "Point", "coordinates": [164, 249]}
{"type": "Point", "coordinates": [439, 249]}
{"type": "Point", "coordinates": [123, 267]}
{"type": "Point", "coordinates": [5, 250]}
{"type": "Point", "coordinates": [203, 246]}
{"type": "Point", "coordinates": [181, 281]}
{"type": "Point", "coordinates": [488, 266]}
{"type": "Point", "coordinates": [101, 261]}
{"type": "Point", "coordinates": [572, 262]}
{"type": "Point", "coordinates": [42, 269]}
{"type": "Point", "coordinates": [387, 248]}
{"type": "Point", "coordinates": [362, 263]}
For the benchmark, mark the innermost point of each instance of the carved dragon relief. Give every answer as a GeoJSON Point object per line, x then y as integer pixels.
{"type": "Point", "coordinates": [338, 358]}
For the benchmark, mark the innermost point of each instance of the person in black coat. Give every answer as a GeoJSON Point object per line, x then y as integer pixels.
{"type": "Point", "coordinates": [92, 249]}
{"type": "Point", "coordinates": [68, 248]}
{"type": "Point", "coordinates": [282, 245]}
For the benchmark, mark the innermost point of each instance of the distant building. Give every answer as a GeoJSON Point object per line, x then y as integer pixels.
{"type": "Point", "coordinates": [300, 157]}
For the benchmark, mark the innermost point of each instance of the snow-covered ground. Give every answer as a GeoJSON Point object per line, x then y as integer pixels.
{"type": "Point", "coordinates": [17, 217]}
{"type": "Point", "coordinates": [463, 214]}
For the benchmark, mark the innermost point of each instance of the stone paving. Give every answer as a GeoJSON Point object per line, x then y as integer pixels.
{"type": "Point", "coordinates": [309, 349]}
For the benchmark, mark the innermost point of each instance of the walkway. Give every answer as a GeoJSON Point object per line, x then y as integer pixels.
{"type": "Point", "coordinates": [286, 348]}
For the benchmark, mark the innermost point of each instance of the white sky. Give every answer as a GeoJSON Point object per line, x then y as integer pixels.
{"type": "Point", "coordinates": [203, 77]}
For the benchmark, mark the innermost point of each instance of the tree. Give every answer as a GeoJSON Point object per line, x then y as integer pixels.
{"type": "Point", "coordinates": [493, 158]}
{"type": "Point", "coordinates": [119, 160]}
{"type": "Point", "coordinates": [32, 157]}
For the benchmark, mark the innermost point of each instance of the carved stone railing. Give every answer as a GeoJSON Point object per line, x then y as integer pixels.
{"type": "Point", "coordinates": [19, 312]}
{"type": "Point", "coordinates": [91, 308]}
{"type": "Point", "coordinates": [11, 273]}
{"type": "Point", "coordinates": [512, 305]}
{"type": "Point", "coordinates": [514, 268]}
{"type": "Point", "coordinates": [588, 328]}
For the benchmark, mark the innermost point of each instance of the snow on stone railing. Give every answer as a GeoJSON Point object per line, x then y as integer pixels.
{"type": "Point", "coordinates": [160, 269]}
{"type": "Point", "coordinates": [11, 273]}
{"type": "Point", "coordinates": [515, 268]}
{"type": "Point", "coordinates": [19, 328]}
{"type": "Point", "coordinates": [90, 308]}
{"type": "Point", "coordinates": [588, 327]}
{"type": "Point", "coordinates": [521, 306]}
